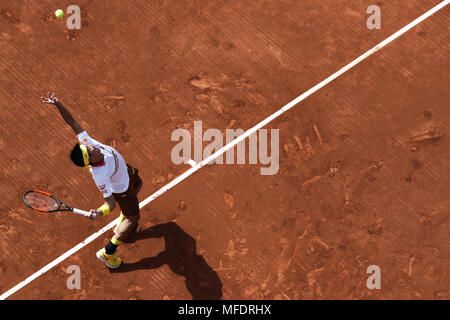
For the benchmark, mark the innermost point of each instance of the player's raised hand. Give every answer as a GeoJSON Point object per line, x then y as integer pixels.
{"type": "Point", "coordinates": [50, 99]}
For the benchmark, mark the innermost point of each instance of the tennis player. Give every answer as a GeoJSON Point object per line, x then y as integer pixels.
{"type": "Point", "coordinates": [117, 181]}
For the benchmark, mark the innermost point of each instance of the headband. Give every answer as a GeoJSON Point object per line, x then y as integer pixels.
{"type": "Point", "coordinates": [85, 154]}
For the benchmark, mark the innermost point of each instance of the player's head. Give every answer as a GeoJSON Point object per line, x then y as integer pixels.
{"type": "Point", "coordinates": [79, 153]}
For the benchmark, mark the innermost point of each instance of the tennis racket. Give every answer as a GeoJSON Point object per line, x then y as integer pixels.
{"type": "Point", "coordinates": [45, 202]}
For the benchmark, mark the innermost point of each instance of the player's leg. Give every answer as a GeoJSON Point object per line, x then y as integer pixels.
{"type": "Point", "coordinates": [121, 218]}
{"type": "Point", "coordinates": [129, 205]}
{"type": "Point", "coordinates": [126, 227]}
{"type": "Point", "coordinates": [136, 183]}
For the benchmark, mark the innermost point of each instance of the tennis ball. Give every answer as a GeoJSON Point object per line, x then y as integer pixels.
{"type": "Point", "coordinates": [59, 13]}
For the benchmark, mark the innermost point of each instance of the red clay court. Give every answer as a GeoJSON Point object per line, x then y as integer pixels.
{"type": "Point", "coordinates": [363, 171]}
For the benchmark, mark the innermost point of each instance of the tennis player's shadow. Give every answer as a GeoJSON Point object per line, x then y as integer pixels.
{"type": "Point", "coordinates": [180, 255]}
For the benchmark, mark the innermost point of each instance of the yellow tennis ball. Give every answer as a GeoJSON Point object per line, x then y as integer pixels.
{"type": "Point", "coordinates": [59, 13]}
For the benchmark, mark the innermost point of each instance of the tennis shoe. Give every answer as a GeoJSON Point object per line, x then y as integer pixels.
{"type": "Point", "coordinates": [111, 260]}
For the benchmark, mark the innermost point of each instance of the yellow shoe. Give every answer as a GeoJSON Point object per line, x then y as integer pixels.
{"type": "Point", "coordinates": [111, 260]}
{"type": "Point", "coordinates": [121, 218]}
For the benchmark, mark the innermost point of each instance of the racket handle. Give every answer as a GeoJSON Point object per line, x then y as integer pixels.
{"type": "Point", "coordinates": [82, 212]}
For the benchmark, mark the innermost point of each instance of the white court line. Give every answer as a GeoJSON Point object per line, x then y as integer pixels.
{"type": "Point", "coordinates": [229, 145]}
{"type": "Point", "coordinates": [192, 163]}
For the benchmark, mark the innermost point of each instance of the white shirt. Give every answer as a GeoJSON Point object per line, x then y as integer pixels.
{"type": "Point", "coordinates": [111, 176]}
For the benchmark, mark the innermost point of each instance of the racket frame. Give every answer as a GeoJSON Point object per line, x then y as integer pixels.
{"type": "Point", "coordinates": [59, 202]}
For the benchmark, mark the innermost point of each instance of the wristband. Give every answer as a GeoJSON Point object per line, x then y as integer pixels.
{"type": "Point", "coordinates": [105, 209]}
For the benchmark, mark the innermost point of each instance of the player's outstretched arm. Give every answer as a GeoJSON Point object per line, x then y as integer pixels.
{"type": "Point", "coordinates": [51, 99]}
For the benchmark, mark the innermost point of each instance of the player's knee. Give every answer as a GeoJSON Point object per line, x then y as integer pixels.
{"type": "Point", "coordinates": [133, 220]}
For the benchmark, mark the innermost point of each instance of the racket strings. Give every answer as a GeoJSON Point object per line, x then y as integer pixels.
{"type": "Point", "coordinates": [41, 201]}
